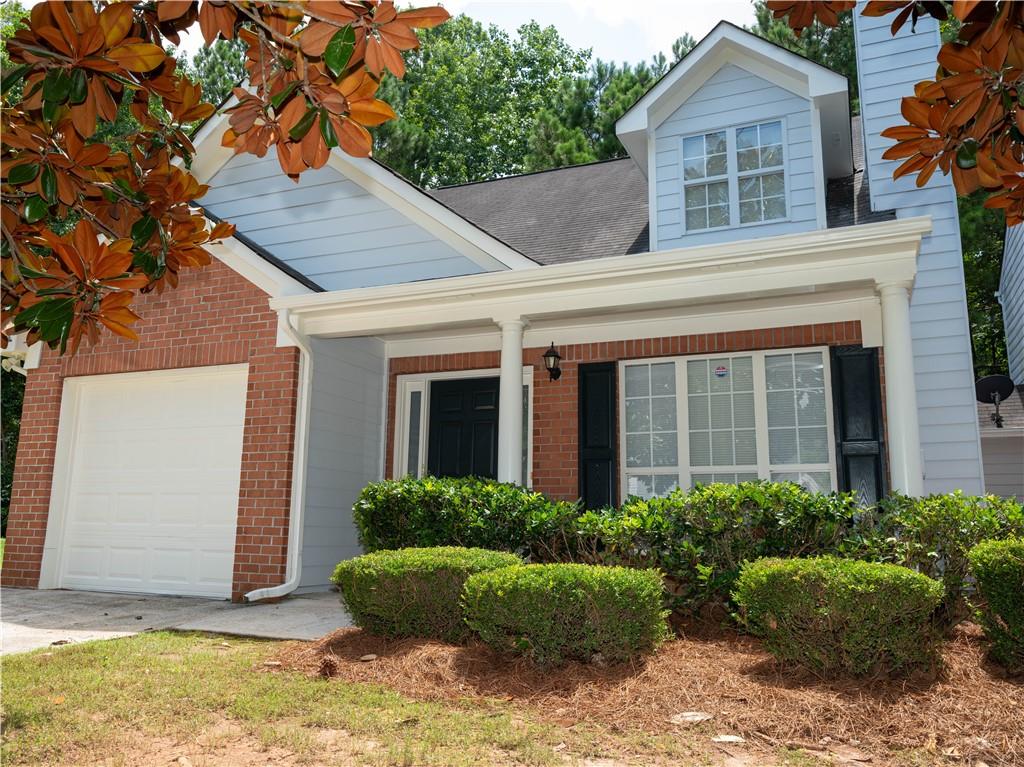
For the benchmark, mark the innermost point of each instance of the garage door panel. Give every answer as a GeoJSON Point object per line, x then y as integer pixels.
{"type": "Point", "coordinates": [153, 488]}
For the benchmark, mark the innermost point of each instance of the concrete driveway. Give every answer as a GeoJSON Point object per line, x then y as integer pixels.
{"type": "Point", "coordinates": [32, 619]}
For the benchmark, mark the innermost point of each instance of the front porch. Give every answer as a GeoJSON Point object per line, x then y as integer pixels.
{"type": "Point", "coordinates": [716, 363]}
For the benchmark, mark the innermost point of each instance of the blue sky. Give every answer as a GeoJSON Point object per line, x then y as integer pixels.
{"type": "Point", "coordinates": [616, 30]}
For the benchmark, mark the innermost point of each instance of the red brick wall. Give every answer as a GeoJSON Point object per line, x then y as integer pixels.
{"type": "Point", "coordinates": [214, 317]}
{"type": "Point", "coordinates": [555, 410]}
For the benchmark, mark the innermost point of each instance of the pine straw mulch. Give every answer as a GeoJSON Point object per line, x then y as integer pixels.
{"type": "Point", "coordinates": [969, 711]}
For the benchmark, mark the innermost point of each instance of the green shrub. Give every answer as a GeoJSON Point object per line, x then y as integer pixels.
{"type": "Point", "coordinates": [413, 592]}
{"type": "Point", "coordinates": [998, 567]}
{"type": "Point", "coordinates": [405, 512]}
{"type": "Point", "coordinates": [701, 538]}
{"type": "Point", "coordinates": [838, 616]}
{"type": "Point", "coordinates": [934, 536]}
{"type": "Point", "coordinates": [561, 611]}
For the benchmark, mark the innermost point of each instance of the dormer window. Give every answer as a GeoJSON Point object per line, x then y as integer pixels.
{"type": "Point", "coordinates": [762, 195]}
{"type": "Point", "coordinates": [734, 175]}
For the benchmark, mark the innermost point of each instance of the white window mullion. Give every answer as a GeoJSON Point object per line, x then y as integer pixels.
{"type": "Point", "coordinates": [683, 423]}
{"type": "Point", "coordinates": [761, 416]}
{"type": "Point", "coordinates": [734, 189]}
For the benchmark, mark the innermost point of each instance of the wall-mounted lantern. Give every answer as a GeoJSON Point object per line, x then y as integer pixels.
{"type": "Point", "coordinates": [551, 360]}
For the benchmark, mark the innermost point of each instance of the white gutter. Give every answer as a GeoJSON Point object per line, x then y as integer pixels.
{"type": "Point", "coordinates": [293, 565]}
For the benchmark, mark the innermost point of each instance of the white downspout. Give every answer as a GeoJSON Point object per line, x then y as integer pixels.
{"type": "Point", "coordinates": [293, 565]}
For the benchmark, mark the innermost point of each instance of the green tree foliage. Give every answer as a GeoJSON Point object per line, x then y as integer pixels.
{"type": "Point", "coordinates": [218, 68]}
{"type": "Point", "coordinates": [579, 125]}
{"type": "Point", "coordinates": [832, 47]}
{"type": "Point", "coordinates": [981, 238]}
{"type": "Point", "coordinates": [12, 389]}
{"type": "Point", "coordinates": [469, 98]}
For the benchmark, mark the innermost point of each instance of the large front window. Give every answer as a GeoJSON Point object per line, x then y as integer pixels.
{"type": "Point", "coordinates": [727, 418]}
{"type": "Point", "coordinates": [734, 175]}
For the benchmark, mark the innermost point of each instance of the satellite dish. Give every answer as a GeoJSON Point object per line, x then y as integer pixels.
{"type": "Point", "coordinates": [991, 390]}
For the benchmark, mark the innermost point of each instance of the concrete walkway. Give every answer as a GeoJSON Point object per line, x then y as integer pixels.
{"type": "Point", "coordinates": [32, 619]}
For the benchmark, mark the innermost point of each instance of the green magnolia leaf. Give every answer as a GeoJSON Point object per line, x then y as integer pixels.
{"type": "Point", "coordinates": [22, 174]}
{"type": "Point", "coordinates": [279, 98]}
{"type": "Point", "coordinates": [49, 184]}
{"type": "Point", "coordinates": [967, 155]}
{"type": "Point", "coordinates": [46, 312]}
{"type": "Point", "coordinates": [56, 86]}
{"type": "Point", "coordinates": [36, 208]}
{"type": "Point", "coordinates": [302, 126]}
{"type": "Point", "coordinates": [142, 230]}
{"type": "Point", "coordinates": [146, 262]}
{"type": "Point", "coordinates": [50, 110]}
{"type": "Point", "coordinates": [339, 50]}
{"type": "Point", "coordinates": [13, 76]}
{"type": "Point", "coordinates": [79, 88]}
{"type": "Point", "coordinates": [327, 130]}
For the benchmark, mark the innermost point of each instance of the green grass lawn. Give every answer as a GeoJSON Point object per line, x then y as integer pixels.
{"type": "Point", "coordinates": [150, 698]}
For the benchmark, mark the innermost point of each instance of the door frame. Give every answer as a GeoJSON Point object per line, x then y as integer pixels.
{"type": "Point", "coordinates": [405, 385]}
{"type": "Point", "coordinates": [51, 569]}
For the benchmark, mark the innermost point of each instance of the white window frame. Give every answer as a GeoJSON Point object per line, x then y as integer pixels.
{"type": "Point", "coordinates": [733, 175]}
{"type": "Point", "coordinates": [407, 384]}
{"type": "Point", "coordinates": [706, 180]}
{"type": "Point", "coordinates": [764, 468]}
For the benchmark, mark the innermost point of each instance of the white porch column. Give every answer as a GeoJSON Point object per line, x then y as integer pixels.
{"type": "Point", "coordinates": [510, 403]}
{"type": "Point", "coordinates": [900, 389]}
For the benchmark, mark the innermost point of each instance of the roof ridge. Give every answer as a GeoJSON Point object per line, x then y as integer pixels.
{"type": "Point", "coordinates": [530, 173]}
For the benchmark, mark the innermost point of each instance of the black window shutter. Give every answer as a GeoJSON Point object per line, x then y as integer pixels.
{"type": "Point", "coordinates": [860, 435]}
{"type": "Point", "coordinates": [597, 434]}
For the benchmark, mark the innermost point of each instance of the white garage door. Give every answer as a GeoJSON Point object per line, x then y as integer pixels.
{"type": "Point", "coordinates": [152, 494]}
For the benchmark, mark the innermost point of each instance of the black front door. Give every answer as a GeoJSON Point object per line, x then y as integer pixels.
{"type": "Point", "coordinates": [463, 428]}
{"type": "Point", "coordinates": [597, 434]}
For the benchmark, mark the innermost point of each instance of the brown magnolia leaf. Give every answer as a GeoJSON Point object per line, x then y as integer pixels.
{"type": "Point", "coordinates": [314, 38]}
{"type": "Point", "coordinates": [354, 139]}
{"type": "Point", "coordinates": [371, 112]}
{"type": "Point", "coordinates": [959, 58]}
{"type": "Point", "coordinates": [138, 57]}
{"type": "Point", "coordinates": [115, 21]}
{"type": "Point", "coordinates": [915, 111]}
{"type": "Point", "coordinates": [424, 18]}
{"type": "Point", "coordinates": [168, 10]}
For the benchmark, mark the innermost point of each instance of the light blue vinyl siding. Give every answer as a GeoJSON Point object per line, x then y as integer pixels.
{"type": "Point", "coordinates": [327, 227]}
{"type": "Point", "coordinates": [345, 449]}
{"type": "Point", "coordinates": [735, 97]}
{"type": "Point", "coordinates": [1011, 295]}
{"type": "Point", "coordinates": [888, 70]}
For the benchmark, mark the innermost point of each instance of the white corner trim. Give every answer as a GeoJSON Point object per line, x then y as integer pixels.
{"type": "Point", "coordinates": [820, 204]}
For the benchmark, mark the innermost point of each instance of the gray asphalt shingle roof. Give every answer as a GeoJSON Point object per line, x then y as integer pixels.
{"type": "Point", "coordinates": [600, 209]}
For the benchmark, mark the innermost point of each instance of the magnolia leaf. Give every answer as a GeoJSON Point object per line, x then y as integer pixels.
{"type": "Point", "coordinates": [327, 130]}
{"type": "Point", "coordinates": [115, 21]}
{"type": "Point", "coordinates": [56, 86]}
{"type": "Point", "coordinates": [48, 184]}
{"type": "Point", "coordinates": [22, 174]}
{"type": "Point", "coordinates": [142, 230]}
{"type": "Point", "coordinates": [14, 75]}
{"type": "Point", "coordinates": [79, 86]}
{"type": "Point", "coordinates": [279, 98]}
{"type": "Point", "coordinates": [35, 209]}
{"type": "Point", "coordinates": [138, 57]}
{"type": "Point", "coordinates": [339, 50]}
{"type": "Point", "coordinates": [301, 128]}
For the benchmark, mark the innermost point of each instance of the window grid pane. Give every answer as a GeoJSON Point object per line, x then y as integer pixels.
{"type": "Point", "coordinates": [705, 157]}
{"type": "Point", "coordinates": [720, 405]}
{"type": "Point", "coordinates": [797, 416]}
{"type": "Point", "coordinates": [652, 440]}
{"type": "Point", "coordinates": [762, 197]}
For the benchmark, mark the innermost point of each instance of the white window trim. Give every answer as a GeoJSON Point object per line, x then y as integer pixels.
{"type": "Point", "coordinates": [407, 384]}
{"type": "Point", "coordinates": [763, 468]}
{"type": "Point", "coordinates": [733, 175]}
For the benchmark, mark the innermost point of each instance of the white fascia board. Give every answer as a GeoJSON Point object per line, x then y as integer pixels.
{"type": "Point", "coordinates": [484, 250]}
{"type": "Point", "coordinates": [729, 44]}
{"type": "Point", "coordinates": [814, 262]}
{"type": "Point", "coordinates": [448, 226]}
{"type": "Point", "coordinates": [256, 269]}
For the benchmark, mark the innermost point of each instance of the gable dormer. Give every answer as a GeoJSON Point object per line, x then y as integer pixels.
{"type": "Point", "coordinates": [738, 141]}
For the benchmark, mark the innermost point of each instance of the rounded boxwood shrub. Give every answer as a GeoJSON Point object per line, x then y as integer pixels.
{"type": "Point", "coordinates": [433, 511]}
{"type": "Point", "coordinates": [567, 611]}
{"type": "Point", "coordinates": [841, 616]}
{"type": "Point", "coordinates": [998, 567]}
{"type": "Point", "coordinates": [413, 592]}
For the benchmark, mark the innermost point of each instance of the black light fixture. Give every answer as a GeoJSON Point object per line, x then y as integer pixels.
{"type": "Point", "coordinates": [551, 360]}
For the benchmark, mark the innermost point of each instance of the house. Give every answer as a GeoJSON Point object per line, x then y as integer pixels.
{"type": "Point", "coordinates": [1002, 446]}
{"type": "Point", "coordinates": [747, 294]}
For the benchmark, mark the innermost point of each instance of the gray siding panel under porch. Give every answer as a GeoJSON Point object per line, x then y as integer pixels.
{"type": "Point", "coordinates": [345, 450]}
{"type": "Point", "coordinates": [735, 97]}
{"type": "Point", "coordinates": [942, 360]}
{"type": "Point", "coordinates": [327, 227]}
